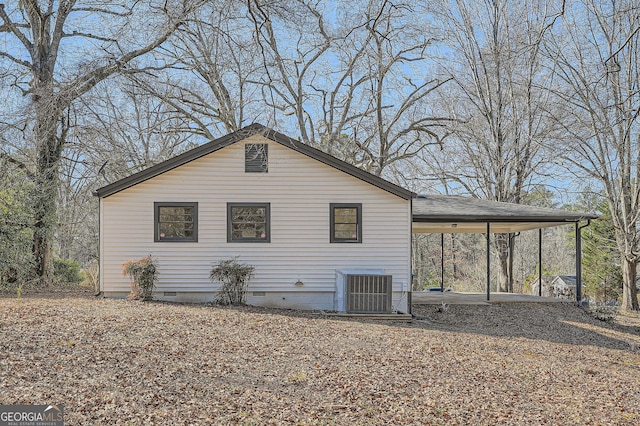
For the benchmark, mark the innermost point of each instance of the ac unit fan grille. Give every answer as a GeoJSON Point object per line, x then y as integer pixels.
{"type": "Point", "coordinates": [369, 294]}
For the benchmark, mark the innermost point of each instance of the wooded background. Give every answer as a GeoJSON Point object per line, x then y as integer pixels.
{"type": "Point", "coordinates": [532, 102]}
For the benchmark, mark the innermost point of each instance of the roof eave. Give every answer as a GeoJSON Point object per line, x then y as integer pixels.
{"type": "Point", "coordinates": [339, 164]}
{"type": "Point", "coordinates": [244, 133]}
{"type": "Point", "coordinates": [172, 163]}
{"type": "Point", "coordinates": [498, 219]}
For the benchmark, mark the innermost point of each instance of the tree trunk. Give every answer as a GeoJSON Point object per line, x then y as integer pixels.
{"type": "Point", "coordinates": [502, 244]}
{"type": "Point", "coordinates": [629, 288]}
{"type": "Point", "coordinates": [45, 192]}
{"type": "Point", "coordinates": [44, 200]}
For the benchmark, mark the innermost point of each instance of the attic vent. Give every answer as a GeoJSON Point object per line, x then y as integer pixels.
{"type": "Point", "coordinates": [369, 294]}
{"type": "Point", "coordinates": [256, 158]}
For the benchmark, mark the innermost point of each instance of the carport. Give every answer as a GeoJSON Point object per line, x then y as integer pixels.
{"type": "Point", "coordinates": [445, 214]}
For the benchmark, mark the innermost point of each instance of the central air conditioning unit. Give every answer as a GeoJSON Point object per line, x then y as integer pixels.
{"type": "Point", "coordinates": [363, 290]}
{"type": "Point", "coordinates": [368, 294]}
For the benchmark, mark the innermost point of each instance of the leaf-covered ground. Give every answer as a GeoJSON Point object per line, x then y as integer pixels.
{"type": "Point", "coordinates": [121, 362]}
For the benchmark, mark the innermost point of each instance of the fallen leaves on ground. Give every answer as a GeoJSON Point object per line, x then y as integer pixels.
{"type": "Point", "coordinates": [123, 362]}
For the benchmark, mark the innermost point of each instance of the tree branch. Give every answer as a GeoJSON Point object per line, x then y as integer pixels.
{"type": "Point", "coordinates": [86, 82]}
{"type": "Point", "coordinates": [16, 60]}
{"type": "Point", "coordinates": [102, 11]}
{"type": "Point", "coordinates": [89, 35]}
{"type": "Point", "coordinates": [13, 28]}
{"type": "Point", "coordinates": [19, 164]}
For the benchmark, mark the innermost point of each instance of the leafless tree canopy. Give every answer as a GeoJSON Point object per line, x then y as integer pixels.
{"type": "Point", "coordinates": [595, 61]}
{"type": "Point", "coordinates": [491, 98]}
{"type": "Point", "coordinates": [54, 53]}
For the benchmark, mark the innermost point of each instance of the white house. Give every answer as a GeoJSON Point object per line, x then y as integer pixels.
{"type": "Point", "coordinates": [321, 234]}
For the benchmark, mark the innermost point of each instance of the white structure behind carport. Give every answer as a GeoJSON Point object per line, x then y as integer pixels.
{"type": "Point", "coordinates": [453, 214]}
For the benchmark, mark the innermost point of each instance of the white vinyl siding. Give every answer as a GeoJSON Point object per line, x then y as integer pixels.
{"type": "Point", "coordinates": [299, 189]}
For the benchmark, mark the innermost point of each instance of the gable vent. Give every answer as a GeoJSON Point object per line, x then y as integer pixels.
{"type": "Point", "coordinates": [368, 294]}
{"type": "Point", "coordinates": [256, 158]}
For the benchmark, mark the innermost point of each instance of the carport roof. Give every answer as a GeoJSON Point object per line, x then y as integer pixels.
{"type": "Point", "coordinates": [455, 214]}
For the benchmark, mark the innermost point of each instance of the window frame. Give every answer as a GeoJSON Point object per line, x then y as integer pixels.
{"type": "Point", "coordinates": [232, 205]}
{"type": "Point", "coordinates": [156, 222]}
{"type": "Point", "coordinates": [263, 150]}
{"type": "Point", "coordinates": [332, 226]}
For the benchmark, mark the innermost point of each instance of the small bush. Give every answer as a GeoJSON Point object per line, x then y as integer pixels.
{"type": "Point", "coordinates": [67, 271]}
{"type": "Point", "coordinates": [234, 277]}
{"type": "Point", "coordinates": [91, 274]}
{"type": "Point", "coordinates": [144, 275]}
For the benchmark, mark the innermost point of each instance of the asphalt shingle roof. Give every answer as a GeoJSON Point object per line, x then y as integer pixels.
{"type": "Point", "coordinates": [447, 214]}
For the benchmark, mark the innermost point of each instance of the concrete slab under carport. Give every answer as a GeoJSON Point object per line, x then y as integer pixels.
{"type": "Point", "coordinates": [455, 298]}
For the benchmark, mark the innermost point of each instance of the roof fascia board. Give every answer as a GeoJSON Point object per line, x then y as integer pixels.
{"type": "Point", "coordinates": [231, 138]}
{"type": "Point", "coordinates": [489, 219]}
{"type": "Point", "coordinates": [336, 163]}
{"type": "Point", "coordinates": [171, 163]}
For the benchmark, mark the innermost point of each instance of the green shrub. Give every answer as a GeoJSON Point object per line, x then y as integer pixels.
{"type": "Point", "coordinates": [234, 278]}
{"type": "Point", "coordinates": [16, 236]}
{"type": "Point", "coordinates": [67, 271]}
{"type": "Point", "coordinates": [144, 275]}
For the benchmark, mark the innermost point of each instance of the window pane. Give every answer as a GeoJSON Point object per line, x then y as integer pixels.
{"type": "Point", "coordinates": [349, 231]}
{"type": "Point", "coordinates": [345, 222]}
{"type": "Point", "coordinates": [347, 227]}
{"type": "Point", "coordinates": [346, 215]}
{"type": "Point", "coordinates": [249, 223]}
{"type": "Point", "coordinates": [175, 222]}
{"type": "Point", "coordinates": [249, 214]}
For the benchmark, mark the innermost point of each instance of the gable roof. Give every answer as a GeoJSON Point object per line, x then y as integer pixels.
{"type": "Point", "coordinates": [568, 280]}
{"type": "Point", "coordinates": [231, 138]}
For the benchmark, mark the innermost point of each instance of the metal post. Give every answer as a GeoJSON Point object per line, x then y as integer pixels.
{"type": "Point", "coordinates": [540, 262]}
{"type": "Point", "coordinates": [578, 263]}
{"type": "Point", "coordinates": [442, 263]}
{"type": "Point", "coordinates": [510, 285]}
{"type": "Point", "coordinates": [579, 260]}
{"type": "Point", "coordinates": [488, 261]}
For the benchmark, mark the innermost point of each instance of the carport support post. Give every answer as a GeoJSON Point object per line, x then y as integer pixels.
{"type": "Point", "coordinates": [540, 262]}
{"type": "Point", "coordinates": [488, 261]}
{"type": "Point", "coordinates": [441, 263]}
{"type": "Point", "coordinates": [510, 284]}
{"type": "Point", "coordinates": [578, 262]}
{"type": "Point", "coordinates": [579, 259]}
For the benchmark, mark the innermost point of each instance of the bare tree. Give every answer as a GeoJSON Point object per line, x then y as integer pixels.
{"type": "Point", "coordinates": [116, 131]}
{"type": "Point", "coordinates": [355, 86]}
{"type": "Point", "coordinates": [129, 128]}
{"type": "Point", "coordinates": [208, 69]}
{"type": "Point", "coordinates": [500, 126]}
{"type": "Point", "coordinates": [293, 39]}
{"type": "Point", "coordinates": [56, 52]}
{"type": "Point", "coordinates": [597, 68]}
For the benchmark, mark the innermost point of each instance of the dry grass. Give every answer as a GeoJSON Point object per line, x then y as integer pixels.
{"type": "Point", "coordinates": [120, 362]}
